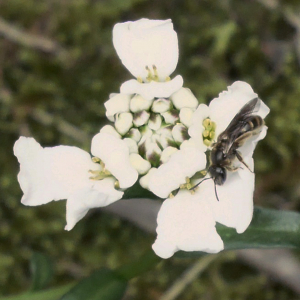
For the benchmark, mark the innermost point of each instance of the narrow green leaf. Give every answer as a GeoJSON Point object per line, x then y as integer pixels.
{"type": "Point", "coordinates": [103, 284]}
{"type": "Point", "coordinates": [269, 229]}
{"type": "Point", "coordinates": [41, 271]}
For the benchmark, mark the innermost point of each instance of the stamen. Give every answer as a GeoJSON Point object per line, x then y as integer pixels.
{"type": "Point", "coordinates": [168, 78]}
{"type": "Point", "coordinates": [96, 159]}
{"type": "Point", "coordinates": [155, 76]}
{"type": "Point", "coordinates": [206, 133]}
{"type": "Point", "coordinates": [140, 80]}
{"type": "Point", "coordinates": [149, 77]}
{"type": "Point", "coordinates": [117, 184]}
{"type": "Point", "coordinates": [207, 142]}
{"type": "Point", "coordinates": [209, 131]}
{"type": "Point", "coordinates": [206, 123]}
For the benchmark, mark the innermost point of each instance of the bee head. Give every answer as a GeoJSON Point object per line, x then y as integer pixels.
{"type": "Point", "coordinates": [218, 174]}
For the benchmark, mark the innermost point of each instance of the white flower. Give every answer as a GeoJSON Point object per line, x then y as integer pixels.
{"type": "Point", "coordinates": [187, 221]}
{"type": "Point", "coordinates": [221, 111]}
{"type": "Point", "coordinates": [63, 172]}
{"type": "Point", "coordinates": [149, 50]}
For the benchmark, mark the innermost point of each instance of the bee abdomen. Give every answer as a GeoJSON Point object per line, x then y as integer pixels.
{"type": "Point", "coordinates": [253, 124]}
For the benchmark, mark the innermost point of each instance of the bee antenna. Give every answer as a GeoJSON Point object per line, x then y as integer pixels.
{"type": "Point", "coordinates": [216, 193]}
{"type": "Point", "coordinates": [200, 183]}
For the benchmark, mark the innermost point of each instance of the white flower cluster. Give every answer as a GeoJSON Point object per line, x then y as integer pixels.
{"type": "Point", "coordinates": [160, 136]}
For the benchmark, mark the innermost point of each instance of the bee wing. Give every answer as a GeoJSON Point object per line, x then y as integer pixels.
{"type": "Point", "coordinates": [234, 129]}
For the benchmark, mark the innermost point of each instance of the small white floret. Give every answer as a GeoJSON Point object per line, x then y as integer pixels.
{"type": "Point", "coordinates": [115, 155]}
{"type": "Point", "coordinates": [110, 130]}
{"type": "Point", "coordinates": [138, 103]}
{"type": "Point", "coordinates": [186, 115]}
{"type": "Point", "coordinates": [117, 104]}
{"type": "Point", "coordinates": [161, 105]}
{"type": "Point", "coordinates": [167, 153]}
{"type": "Point", "coordinates": [123, 122]}
{"type": "Point", "coordinates": [139, 163]}
{"type": "Point", "coordinates": [184, 98]}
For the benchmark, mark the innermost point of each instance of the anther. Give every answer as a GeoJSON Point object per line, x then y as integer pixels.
{"type": "Point", "coordinates": [149, 77]}
{"type": "Point", "coordinates": [205, 133]}
{"type": "Point", "coordinates": [96, 159]}
{"type": "Point", "coordinates": [155, 76]}
{"type": "Point", "coordinates": [117, 184]}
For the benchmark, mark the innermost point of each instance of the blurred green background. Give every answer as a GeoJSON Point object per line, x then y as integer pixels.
{"type": "Point", "coordinates": [58, 66]}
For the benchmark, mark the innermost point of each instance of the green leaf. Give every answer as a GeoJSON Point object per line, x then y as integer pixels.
{"type": "Point", "coordinates": [103, 284]}
{"type": "Point", "coordinates": [269, 229]}
{"type": "Point", "coordinates": [41, 270]}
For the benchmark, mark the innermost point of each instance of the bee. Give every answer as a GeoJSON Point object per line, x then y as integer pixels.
{"type": "Point", "coordinates": [225, 150]}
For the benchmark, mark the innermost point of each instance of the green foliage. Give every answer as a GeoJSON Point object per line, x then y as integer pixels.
{"type": "Point", "coordinates": [102, 285]}
{"type": "Point", "coordinates": [41, 271]}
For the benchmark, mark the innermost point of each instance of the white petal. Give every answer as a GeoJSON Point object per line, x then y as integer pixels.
{"type": "Point", "coordinates": [134, 134]}
{"type": "Point", "coordinates": [186, 115]}
{"type": "Point", "coordinates": [123, 122]}
{"type": "Point", "coordinates": [140, 164]}
{"type": "Point", "coordinates": [179, 133]}
{"type": "Point", "coordinates": [169, 176]}
{"type": "Point", "coordinates": [141, 118]}
{"type": "Point", "coordinates": [153, 152]}
{"type": "Point", "coordinates": [184, 98]}
{"type": "Point", "coordinates": [161, 105]}
{"type": "Point", "coordinates": [188, 143]}
{"type": "Point", "coordinates": [227, 105]}
{"type": "Point", "coordinates": [117, 104]}
{"type": "Point", "coordinates": [154, 121]}
{"type": "Point", "coordinates": [100, 193]}
{"type": "Point", "coordinates": [115, 155]}
{"type": "Point", "coordinates": [110, 130]}
{"type": "Point", "coordinates": [132, 145]}
{"type": "Point", "coordinates": [235, 208]}
{"type": "Point", "coordinates": [152, 89]}
{"type": "Point", "coordinates": [138, 103]}
{"type": "Point", "coordinates": [144, 181]}
{"type": "Point", "coordinates": [196, 129]}
{"type": "Point", "coordinates": [186, 223]}
{"type": "Point", "coordinates": [147, 43]}
{"type": "Point", "coordinates": [146, 134]}
{"type": "Point", "coordinates": [48, 174]}
{"type": "Point", "coordinates": [167, 153]}
{"type": "Point", "coordinates": [171, 116]}
{"type": "Point", "coordinates": [166, 141]}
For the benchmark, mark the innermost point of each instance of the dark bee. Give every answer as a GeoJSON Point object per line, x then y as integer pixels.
{"type": "Point", "coordinates": [243, 126]}
{"type": "Point", "coordinates": [225, 150]}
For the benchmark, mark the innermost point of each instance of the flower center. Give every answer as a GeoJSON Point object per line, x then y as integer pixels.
{"type": "Point", "coordinates": [152, 75]}
{"type": "Point", "coordinates": [208, 133]}
{"type": "Point", "coordinates": [99, 174]}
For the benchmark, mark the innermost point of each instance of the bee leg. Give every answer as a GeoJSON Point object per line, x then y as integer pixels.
{"type": "Point", "coordinates": [240, 158]}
